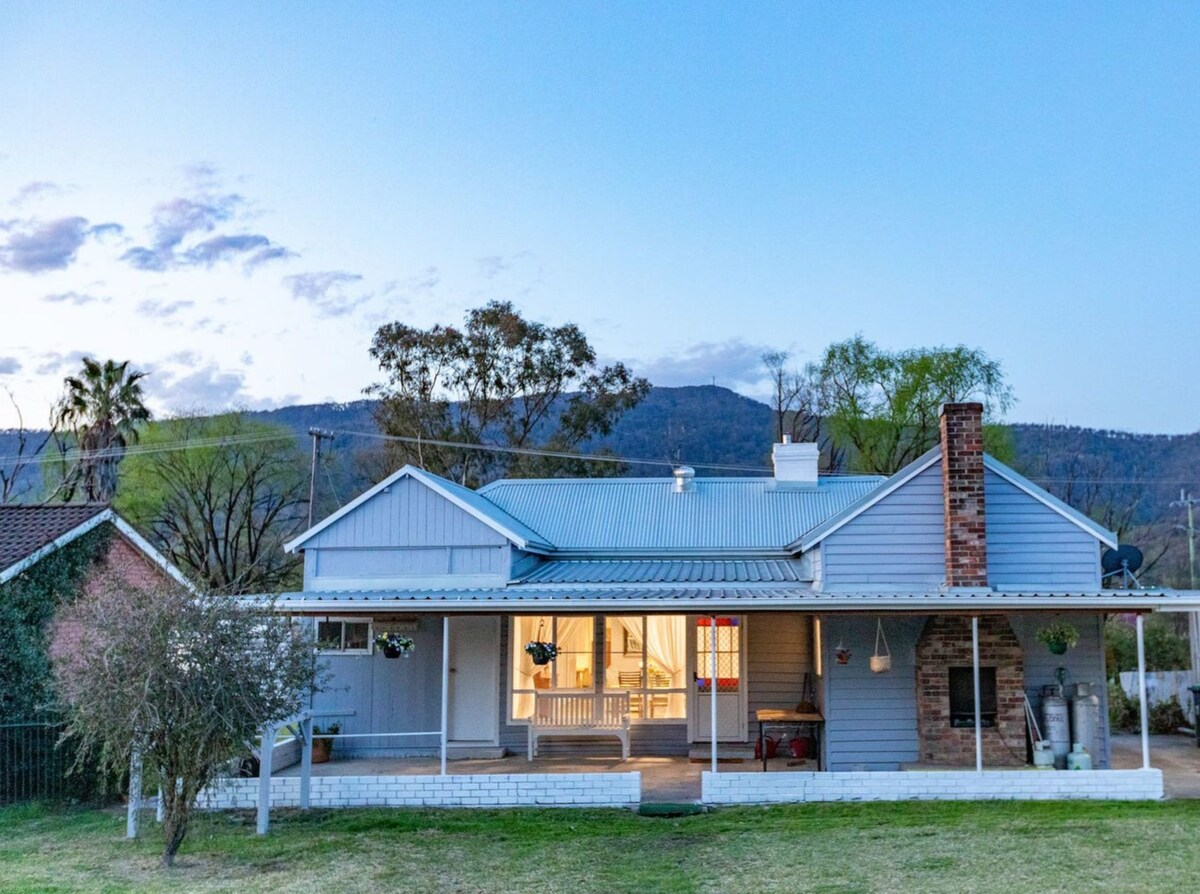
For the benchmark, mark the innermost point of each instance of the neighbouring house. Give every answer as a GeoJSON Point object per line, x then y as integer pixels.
{"type": "Point", "coordinates": [683, 607]}
{"type": "Point", "coordinates": [95, 543]}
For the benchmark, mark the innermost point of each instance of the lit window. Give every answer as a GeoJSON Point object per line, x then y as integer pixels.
{"type": "Point", "coordinates": [345, 635]}
{"type": "Point", "coordinates": [646, 656]}
{"type": "Point", "coordinates": [571, 670]}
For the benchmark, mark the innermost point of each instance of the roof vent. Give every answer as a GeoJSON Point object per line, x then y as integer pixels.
{"type": "Point", "coordinates": [796, 465]}
{"type": "Point", "coordinates": [685, 479]}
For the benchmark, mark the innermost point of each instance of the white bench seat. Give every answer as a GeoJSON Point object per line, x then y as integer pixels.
{"type": "Point", "coordinates": [580, 714]}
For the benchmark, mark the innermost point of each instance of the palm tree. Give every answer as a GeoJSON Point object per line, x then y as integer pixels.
{"type": "Point", "coordinates": [101, 408]}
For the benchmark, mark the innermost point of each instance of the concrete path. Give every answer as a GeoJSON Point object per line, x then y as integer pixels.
{"type": "Point", "coordinates": [1177, 757]}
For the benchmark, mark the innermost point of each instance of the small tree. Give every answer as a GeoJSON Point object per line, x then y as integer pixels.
{"type": "Point", "coordinates": [187, 681]}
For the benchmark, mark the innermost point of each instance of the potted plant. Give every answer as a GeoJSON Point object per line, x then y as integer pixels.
{"type": "Point", "coordinates": [1058, 637]}
{"type": "Point", "coordinates": [394, 645]}
{"type": "Point", "coordinates": [541, 652]}
{"type": "Point", "coordinates": [322, 745]}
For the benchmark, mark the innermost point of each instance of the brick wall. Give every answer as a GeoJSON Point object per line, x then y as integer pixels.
{"type": "Point", "coordinates": [963, 496]}
{"type": "Point", "coordinates": [129, 565]}
{"type": "Point", "coordinates": [946, 642]}
{"type": "Point", "coordinates": [945, 785]}
{"type": "Point", "coordinates": [491, 790]}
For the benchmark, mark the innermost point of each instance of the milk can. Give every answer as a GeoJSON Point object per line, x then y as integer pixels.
{"type": "Point", "coordinates": [1056, 724]}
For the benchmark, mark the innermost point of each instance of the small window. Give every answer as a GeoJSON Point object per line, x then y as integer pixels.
{"type": "Point", "coordinates": [345, 635]}
{"type": "Point", "coordinates": [962, 697]}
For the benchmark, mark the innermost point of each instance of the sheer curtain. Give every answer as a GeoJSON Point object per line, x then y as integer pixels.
{"type": "Point", "coordinates": [665, 645]}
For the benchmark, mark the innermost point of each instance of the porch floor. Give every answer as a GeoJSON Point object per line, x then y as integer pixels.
{"type": "Point", "coordinates": [664, 779]}
{"type": "Point", "coordinates": [1177, 757]}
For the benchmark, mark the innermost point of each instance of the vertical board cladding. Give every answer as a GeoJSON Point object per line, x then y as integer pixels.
{"type": "Point", "coordinates": [898, 542]}
{"type": "Point", "coordinates": [1029, 543]}
{"type": "Point", "coordinates": [870, 719]}
{"type": "Point", "coordinates": [372, 694]}
{"type": "Point", "coordinates": [407, 514]}
{"type": "Point", "coordinates": [1083, 664]}
{"type": "Point", "coordinates": [780, 654]}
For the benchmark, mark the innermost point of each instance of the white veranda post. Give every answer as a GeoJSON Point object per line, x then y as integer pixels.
{"type": "Point", "coordinates": [445, 687]}
{"type": "Point", "coordinates": [975, 681]}
{"type": "Point", "coordinates": [712, 686]}
{"type": "Point", "coordinates": [1141, 650]}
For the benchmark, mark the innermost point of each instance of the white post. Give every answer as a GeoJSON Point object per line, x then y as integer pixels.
{"type": "Point", "coordinates": [1141, 647]}
{"type": "Point", "coordinates": [978, 707]}
{"type": "Point", "coordinates": [445, 686]}
{"type": "Point", "coordinates": [306, 745]}
{"type": "Point", "coordinates": [265, 752]}
{"type": "Point", "coordinates": [712, 688]}
{"type": "Point", "coordinates": [135, 794]}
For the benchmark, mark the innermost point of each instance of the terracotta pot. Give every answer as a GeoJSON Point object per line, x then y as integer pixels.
{"type": "Point", "coordinates": [322, 748]}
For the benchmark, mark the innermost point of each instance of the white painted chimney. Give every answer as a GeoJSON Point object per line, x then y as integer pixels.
{"type": "Point", "coordinates": [796, 465]}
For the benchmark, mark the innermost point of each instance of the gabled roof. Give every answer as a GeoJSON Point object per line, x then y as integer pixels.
{"type": "Point", "coordinates": [30, 533]}
{"type": "Point", "coordinates": [719, 516]}
{"type": "Point", "coordinates": [464, 498]}
{"type": "Point", "coordinates": [919, 465]}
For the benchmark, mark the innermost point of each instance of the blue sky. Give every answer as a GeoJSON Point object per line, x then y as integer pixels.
{"type": "Point", "coordinates": [235, 196]}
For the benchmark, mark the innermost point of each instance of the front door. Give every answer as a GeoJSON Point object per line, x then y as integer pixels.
{"type": "Point", "coordinates": [474, 680]}
{"type": "Point", "coordinates": [730, 684]}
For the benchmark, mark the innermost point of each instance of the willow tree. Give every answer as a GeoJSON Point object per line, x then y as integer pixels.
{"type": "Point", "coordinates": [882, 406]}
{"type": "Point", "coordinates": [503, 381]}
{"type": "Point", "coordinates": [95, 420]}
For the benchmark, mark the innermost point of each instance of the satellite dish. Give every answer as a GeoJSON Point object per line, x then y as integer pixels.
{"type": "Point", "coordinates": [1124, 558]}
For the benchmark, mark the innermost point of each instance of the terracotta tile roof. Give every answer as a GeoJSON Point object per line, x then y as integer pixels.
{"type": "Point", "coordinates": [26, 529]}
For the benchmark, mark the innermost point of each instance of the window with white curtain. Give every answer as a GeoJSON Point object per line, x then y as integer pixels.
{"type": "Point", "coordinates": [646, 656]}
{"type": "Point", "coordinates": [571, 671]}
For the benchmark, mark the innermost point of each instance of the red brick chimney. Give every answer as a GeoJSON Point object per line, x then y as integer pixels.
{"type": "Point", "coordinates": [962, 495]}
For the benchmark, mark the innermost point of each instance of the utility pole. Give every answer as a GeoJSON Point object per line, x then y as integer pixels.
{"type": "Point", "coordinates": [317, 435]}
{"type": "Point", "coordinates": [1188, 501]}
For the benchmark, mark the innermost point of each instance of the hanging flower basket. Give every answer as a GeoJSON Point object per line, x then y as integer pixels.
{"type": "Point", "coordinates": [841, 654]}
{"type": "Point", "coordinates": [541, 652]}
{"type": "Point", "coordinates": [394, 645]}
{"type": "Point", "coordinates": [881, 661]}
{"type": "Point", "coordinates": [1058, 637]}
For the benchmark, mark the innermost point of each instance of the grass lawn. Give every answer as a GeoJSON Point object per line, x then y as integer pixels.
{"type": "Point", "coordinates": [920, 847]}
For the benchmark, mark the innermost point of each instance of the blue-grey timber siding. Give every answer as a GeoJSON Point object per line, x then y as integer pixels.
{"type": "Point", "coordinates": [1084, 663]}
{"type": "Point", "coordinates": [899, 542]}
{"type": "Point", "coordinates": [778, 657]}
{"type": "Point", "coordinates": [1029, 543]}
{"type": "Point", "coordinates": [407, 514]}
{"type": "Point", "coordinates": [870, 719]}
{"type": "Point", "coordinates": [374, 694]}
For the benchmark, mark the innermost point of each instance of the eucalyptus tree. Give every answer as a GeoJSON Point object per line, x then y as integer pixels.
{"type": "Point", "coordinates": [97, 417]}
{"type": "Point", "coordinates": [501, 380]}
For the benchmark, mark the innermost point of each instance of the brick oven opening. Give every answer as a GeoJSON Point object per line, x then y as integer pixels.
{"type": "Point", "coordinates": [962, 697]}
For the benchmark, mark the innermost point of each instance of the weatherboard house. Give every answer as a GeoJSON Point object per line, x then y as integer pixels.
{"type": "Point", "coordinates": [889, 626]}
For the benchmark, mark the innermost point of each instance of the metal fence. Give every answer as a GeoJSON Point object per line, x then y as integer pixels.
{"type": "Point", "coordinates": [34, 767]}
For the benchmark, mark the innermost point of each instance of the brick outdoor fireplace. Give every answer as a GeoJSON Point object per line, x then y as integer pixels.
{"type": "Point", "coordinates": [945, 645]}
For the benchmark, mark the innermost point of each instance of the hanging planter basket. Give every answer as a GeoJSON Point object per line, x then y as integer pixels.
{"type": "Point", "coordinates": [394, 645]}
{"type": "Point", "coordinates": [1058, 637]}
{"type": "Point", "coordinates": [541, 652]}
{"type": "Point", "coordinates": [881, 661]}
{"type": "Point", "coordinates": [841, 654]}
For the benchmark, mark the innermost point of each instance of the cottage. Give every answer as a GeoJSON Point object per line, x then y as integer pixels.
{"type": "Point", "coordinates": [889, 625]}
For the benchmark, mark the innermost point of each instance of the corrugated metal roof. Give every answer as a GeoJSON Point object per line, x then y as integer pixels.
{"type": "Point", "coordinates": [634, 571]}
{"type": "Point", "coordinates": [646, 515]}
{"type": "Point", "coordinates": [702, 599]}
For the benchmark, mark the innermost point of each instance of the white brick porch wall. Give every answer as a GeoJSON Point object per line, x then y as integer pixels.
{"type": "Point", "coordinates": [491, 790]}
{"type": "Point", "coordinates": [1016, 785]}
